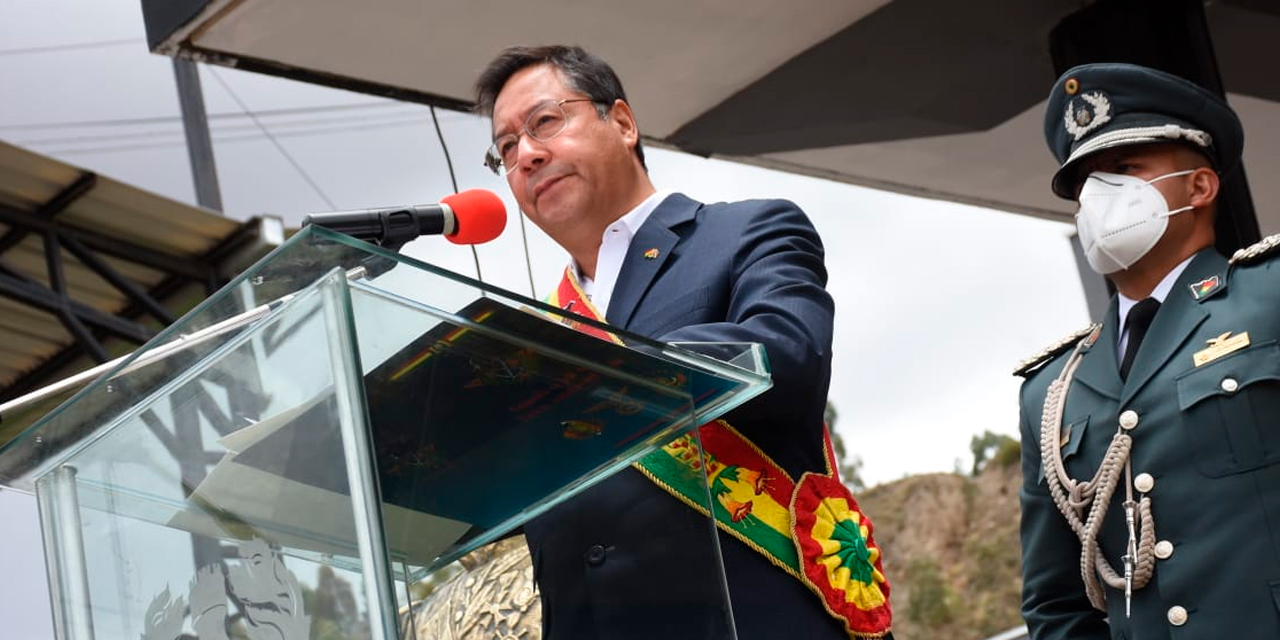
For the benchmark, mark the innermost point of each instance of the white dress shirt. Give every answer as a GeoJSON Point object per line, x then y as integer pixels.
{"type": "Point", "coordinates": [613, 248]}
{"type": "Point", "coordinates": [1159, 293]}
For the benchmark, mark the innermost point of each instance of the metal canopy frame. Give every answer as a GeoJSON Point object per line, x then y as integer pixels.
{"type": "Point", "coordinates": [88, 325]}
{"type": "Point", "coordinates": [111, 265]}
{"type": "Point", "coordinates": [76, 317]}
{"type": "Point", "coordinates": [97, 268]}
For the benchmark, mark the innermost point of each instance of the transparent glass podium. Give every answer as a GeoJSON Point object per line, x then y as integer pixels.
{"type": "Point", "coordinates": [337, 425]}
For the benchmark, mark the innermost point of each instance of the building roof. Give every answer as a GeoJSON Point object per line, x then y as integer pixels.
{"type": "Point", "coordinates": [934, 98]}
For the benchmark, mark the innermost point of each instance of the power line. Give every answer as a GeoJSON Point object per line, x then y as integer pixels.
{"type": "Point", "coordinates": [315, 125]}
{"type": "Point", "coordinates": [239, 138]}
{"type": "Point", "coordinates": [453, 180]}
{"type": "Point", "coordinates": [298, 167]}
{"type": "Point", "coordinates": [528, 264]}
{"type": "Point", "coordinates": [176, 119]}
{"type": "Point", "coordinates": [98, 44]}
{"type": "Point", "coordinates": [448, 160]}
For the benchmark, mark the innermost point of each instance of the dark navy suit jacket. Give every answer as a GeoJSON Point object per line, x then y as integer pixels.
{"type": "Point", "coordinates": [624, 559]}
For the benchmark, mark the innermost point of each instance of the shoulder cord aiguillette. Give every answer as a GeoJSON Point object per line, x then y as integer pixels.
{"type": "Point", "coordinates": [1074, 498]}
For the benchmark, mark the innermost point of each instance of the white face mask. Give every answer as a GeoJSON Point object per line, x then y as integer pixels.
{"type": "Point", "coordinates": [1121, 218]}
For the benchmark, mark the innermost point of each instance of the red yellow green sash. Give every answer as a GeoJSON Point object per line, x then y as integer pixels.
{"type": "Point", "coordinates": [812, 529]}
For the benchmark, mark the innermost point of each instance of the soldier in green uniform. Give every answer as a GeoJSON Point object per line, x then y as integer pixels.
{"type": "Point", "coordinates": [1151, 441]}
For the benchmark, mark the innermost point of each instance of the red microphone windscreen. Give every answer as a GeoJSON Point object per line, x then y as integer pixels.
{"type": "Point", "coordinates": [479, 216]}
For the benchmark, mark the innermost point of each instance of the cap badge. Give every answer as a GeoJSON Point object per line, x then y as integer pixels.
{"type": "Point", "coordinates": [1088, 112]}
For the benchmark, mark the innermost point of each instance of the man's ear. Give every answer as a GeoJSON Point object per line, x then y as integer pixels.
{"type": "Point", "coordinates": [1202, 187]}
{"type": "Point", "coordinates": [625, 122]}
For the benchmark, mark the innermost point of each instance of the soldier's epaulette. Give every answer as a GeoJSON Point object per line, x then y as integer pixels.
{"type": "Point", "coordinates": [1264, 248]}
{"type": "Point", "coordinates": [1050, 352]}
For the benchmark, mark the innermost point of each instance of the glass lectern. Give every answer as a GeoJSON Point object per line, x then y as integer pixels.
{"type": "Point", "coordinates": [337, 424]}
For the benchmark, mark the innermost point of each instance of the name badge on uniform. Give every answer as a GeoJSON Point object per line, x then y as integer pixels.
{"type": "Point", "coordinates": [1221, 346]}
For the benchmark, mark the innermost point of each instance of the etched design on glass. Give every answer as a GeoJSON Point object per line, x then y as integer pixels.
{"type": "Point", "coordinates": [164, 618]}
{"type": "Point", "coordinates": [269, 592]}
{"type": "Point", "coordinates": [209, 603]}
{"type": "Point", "coordinates": [257, 584]}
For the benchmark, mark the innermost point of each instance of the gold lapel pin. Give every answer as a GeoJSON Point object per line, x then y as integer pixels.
{"type": "Point", "coordinates": [651, 254]}
{"type": "Point", "coordinates": [1221, 346]}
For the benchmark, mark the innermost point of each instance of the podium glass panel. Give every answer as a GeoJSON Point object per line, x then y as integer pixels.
{"type": "Point", "coordinates": [337, 421]}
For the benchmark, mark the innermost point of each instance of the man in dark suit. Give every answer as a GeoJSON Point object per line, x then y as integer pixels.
{"type": "Point", "coordinates": [1151, 442]}
{"type": "Point", "coordinates": [627, 559]}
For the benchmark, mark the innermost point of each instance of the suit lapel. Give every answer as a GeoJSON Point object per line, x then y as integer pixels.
{"type": "Point", "coordinates": [640, 266]}
{"type": "Point", "coordinates": [1098, 368]}
{"type": "Point", "coordinates": [1178, 317]}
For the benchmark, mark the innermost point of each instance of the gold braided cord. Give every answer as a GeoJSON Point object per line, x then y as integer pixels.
{"type": "Point", "coordinates": [757, 450]}
{"type": "Point", "coordinates": [1074, 498]}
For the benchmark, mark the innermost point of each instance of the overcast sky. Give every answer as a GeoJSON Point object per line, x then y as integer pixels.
{"type": "Point", "coordinates": [935, 301]}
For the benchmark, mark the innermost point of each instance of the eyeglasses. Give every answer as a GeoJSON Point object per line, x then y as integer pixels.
{"type": "Point", "coordinates": [546, 121]}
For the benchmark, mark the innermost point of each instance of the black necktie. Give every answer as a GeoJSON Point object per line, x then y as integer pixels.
{"type": "Point", "coordinates": [1136, 323]}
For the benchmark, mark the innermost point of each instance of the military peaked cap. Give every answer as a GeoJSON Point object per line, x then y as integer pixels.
{"type": "Point", "coordinates": [1105, 105]}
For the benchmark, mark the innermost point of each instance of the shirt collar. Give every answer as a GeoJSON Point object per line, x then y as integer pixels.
{"type": "Point", "coordinates": [635, 218]}
{"type": "Point", "coordinates": [1159, 293]}
{"type": "Point", "coordinates": [630, 223]}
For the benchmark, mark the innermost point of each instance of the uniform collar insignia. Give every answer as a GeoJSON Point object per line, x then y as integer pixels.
{"type": "Point", "coordinates": [1086, 112]}
{"type": "Point", "coordinates": [1093, 335]}
{"type": "Point", "coordinates": [1205, 287]}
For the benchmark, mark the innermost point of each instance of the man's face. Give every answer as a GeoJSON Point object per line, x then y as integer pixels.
{"type": "Point", "coordinates": [1148, 162]}
{"type": "Point", "coordinates": [576, 178]}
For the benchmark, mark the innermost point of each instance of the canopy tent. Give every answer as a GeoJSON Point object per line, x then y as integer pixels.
{"type": "Point", "coordinates": [935, 98]}
{"type": "Point", "coordinates": [90, 268]}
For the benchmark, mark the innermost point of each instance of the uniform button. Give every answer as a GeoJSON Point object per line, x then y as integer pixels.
{"type": "Point", "coordinates": [1230, 385]}
{"type": "Point", "coordinates": [1129, 419]}
{"type": "Point", "coordinates": [1164, 549]}
{"type": "Point", "coordinates": [1144, 482]}
{"type": "Point", "coordinates": [595, 555]}
{"type": "Point", "coordinates": [1177, 616]}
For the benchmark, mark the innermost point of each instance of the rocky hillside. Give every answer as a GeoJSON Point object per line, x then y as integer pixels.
{"type": "Point", "coordinates": [951, 551]}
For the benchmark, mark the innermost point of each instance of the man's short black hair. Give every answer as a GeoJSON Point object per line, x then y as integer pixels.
{"type": "Point", "coordinates": [585, 72]}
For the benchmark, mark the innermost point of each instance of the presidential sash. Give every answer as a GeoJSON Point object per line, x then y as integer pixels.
{"type": "Point", "coordinates": [813, 529]}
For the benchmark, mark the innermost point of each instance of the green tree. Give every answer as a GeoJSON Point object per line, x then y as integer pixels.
{"type": "Point", "coordinates": [849, 467]}
{"type": "Point", "coordinates": [996, 447]}
{"type": "Point", "coordinates": [932, 602]}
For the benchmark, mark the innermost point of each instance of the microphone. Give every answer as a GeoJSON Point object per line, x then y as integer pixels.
{"type": "Point", "coordinates": [474, 216]}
